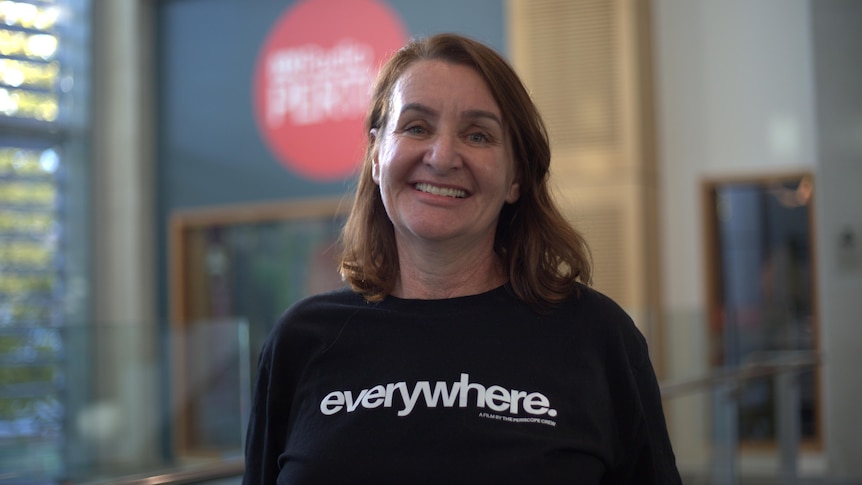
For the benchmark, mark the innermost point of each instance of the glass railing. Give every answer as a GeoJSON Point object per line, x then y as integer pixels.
{"type": "Point", "coordinates": [754, 421]}
{"type": "Point", "coordinates": [135, 404]}
{"type": "Point", "coordinates": [120, 403]}
{"type": "Point", "coordinates": [707, 411]}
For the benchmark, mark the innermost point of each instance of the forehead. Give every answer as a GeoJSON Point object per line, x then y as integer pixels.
{"type": "Point", "coordinates": [443, 83]}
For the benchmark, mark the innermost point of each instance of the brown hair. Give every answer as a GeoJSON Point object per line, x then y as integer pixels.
{"type": "Point", "coordinates": [542, 253]}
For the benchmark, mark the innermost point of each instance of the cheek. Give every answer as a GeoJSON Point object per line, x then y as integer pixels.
{"type": "Point", "coordinates": [386, 167]}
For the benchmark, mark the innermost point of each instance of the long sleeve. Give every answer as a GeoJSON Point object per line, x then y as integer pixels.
{"type": "Point", "coordinates": [656, 458]}
{"type": "Point", "coordinates": [302, 332]}
{"type": "Point", "coordinates": [264, 437]}
{"type": "Point", "coordinates": [650, 460]}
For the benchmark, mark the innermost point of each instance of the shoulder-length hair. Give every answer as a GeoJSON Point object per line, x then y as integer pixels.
{"type": "Point", "coordinates": [543, 255]}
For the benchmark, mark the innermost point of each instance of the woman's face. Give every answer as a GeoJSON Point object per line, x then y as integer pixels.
{"type": "Point", "coordinates": [443, 162]}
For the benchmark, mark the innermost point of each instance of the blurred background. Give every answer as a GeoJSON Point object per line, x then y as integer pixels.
{"type": "Point", "coordinates": [174, 173]}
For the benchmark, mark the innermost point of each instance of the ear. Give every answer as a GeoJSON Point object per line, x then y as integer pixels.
{"type": "Point", "coordinates": [375, 171]}
{"type": "Point", "coordinates": [375, 165]}
{"type": "Point", "coordinates": [514, 193]}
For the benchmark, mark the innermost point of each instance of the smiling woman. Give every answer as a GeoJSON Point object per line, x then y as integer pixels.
{"type": "Point", "coordinates": [536, 249]}
{"type": "Point", "coordinates": [462, 272]}
{"type": "Point", "coordinates": [445, 170]}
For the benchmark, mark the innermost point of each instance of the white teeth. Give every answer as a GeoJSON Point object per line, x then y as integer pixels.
{"type": "Point", "coordinates": [444, 191]}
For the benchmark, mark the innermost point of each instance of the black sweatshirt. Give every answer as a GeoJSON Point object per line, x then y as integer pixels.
{"type": "Point", "coordinates": [476, 389]}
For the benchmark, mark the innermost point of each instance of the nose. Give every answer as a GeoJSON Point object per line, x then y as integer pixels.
{"type": "Point", "coordinates": [443, 153]}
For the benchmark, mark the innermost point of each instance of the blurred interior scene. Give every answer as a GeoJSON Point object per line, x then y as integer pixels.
{"type": "Point", "coordinates": [174, 174]}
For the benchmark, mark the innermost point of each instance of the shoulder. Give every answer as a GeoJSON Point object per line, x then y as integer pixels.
{"type": "Point", "coordinates": [594, 306]}
{"type": "Point", "coordinates": [343, 299]}
{"type": "Point", "coordinates": [606, 320]}
{"type": "Point", "coordinates": [314, 321]}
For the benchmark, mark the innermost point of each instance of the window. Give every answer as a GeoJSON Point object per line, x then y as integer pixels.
{"type": "Point", "coordinates": [43, 118]}
{"type": "Point", "coordinates": [761, 293]}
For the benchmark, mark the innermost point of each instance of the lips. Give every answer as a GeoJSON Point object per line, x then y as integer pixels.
{"type": "Point", "coordinates": [442, 191]}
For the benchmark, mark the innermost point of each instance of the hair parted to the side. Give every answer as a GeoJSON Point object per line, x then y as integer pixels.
{"type": "Point", "coordinates": [542, 253]}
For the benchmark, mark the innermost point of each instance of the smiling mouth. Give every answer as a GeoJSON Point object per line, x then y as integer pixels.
{"type": "Point", "coordinates": [444, 191]}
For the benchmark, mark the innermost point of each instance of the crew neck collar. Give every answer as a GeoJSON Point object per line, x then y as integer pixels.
{"type": "Point", "coordinates": [458, 303]}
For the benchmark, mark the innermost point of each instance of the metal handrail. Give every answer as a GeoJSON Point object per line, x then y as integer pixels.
{"type": "Point", "coordinates": [198, 474]}
{"type": "Point", "coordinates": [764, 365]}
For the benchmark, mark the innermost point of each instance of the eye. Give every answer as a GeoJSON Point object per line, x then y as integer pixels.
{"type": "Point", "coordinates": [413, 128]}
{"type": "Point", "coordinates": [477, 137]}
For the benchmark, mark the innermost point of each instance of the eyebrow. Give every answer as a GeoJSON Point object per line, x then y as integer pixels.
{"type": "Point", "coordinates": [418, 107]}
{"type": "Point", "coordinates": [469, 114]}
{"type": "Point", "coordinates": [482, 114]}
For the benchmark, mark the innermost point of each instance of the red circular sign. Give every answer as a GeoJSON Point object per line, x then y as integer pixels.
{"type": "Point", "coordinates": [312, 82]}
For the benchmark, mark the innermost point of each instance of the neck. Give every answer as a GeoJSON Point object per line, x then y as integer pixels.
{"type": "Point", "coordinates": [445, 272]}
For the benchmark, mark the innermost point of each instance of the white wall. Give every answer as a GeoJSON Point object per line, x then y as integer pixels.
{"type": "Point", "coordinates": [837, 27]}
{"type": "Point", "coordinates": [735, 96]}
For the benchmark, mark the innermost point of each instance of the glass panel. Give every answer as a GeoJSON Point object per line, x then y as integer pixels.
{"type": "Point", "coordinates": [217, 386]}
{"type": "Point", "coordinates": [42, 44]}
{"type": "Point", "coordinates": [29, 71]}
{"type": "Point", "coordinates": [252, 267]}
{"type": "Point", "coordinates": [118, 426]}
{"type": "Point", "coordinates": [704, 406]}
{"type": "Point", "coordinates": [31, 415]}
